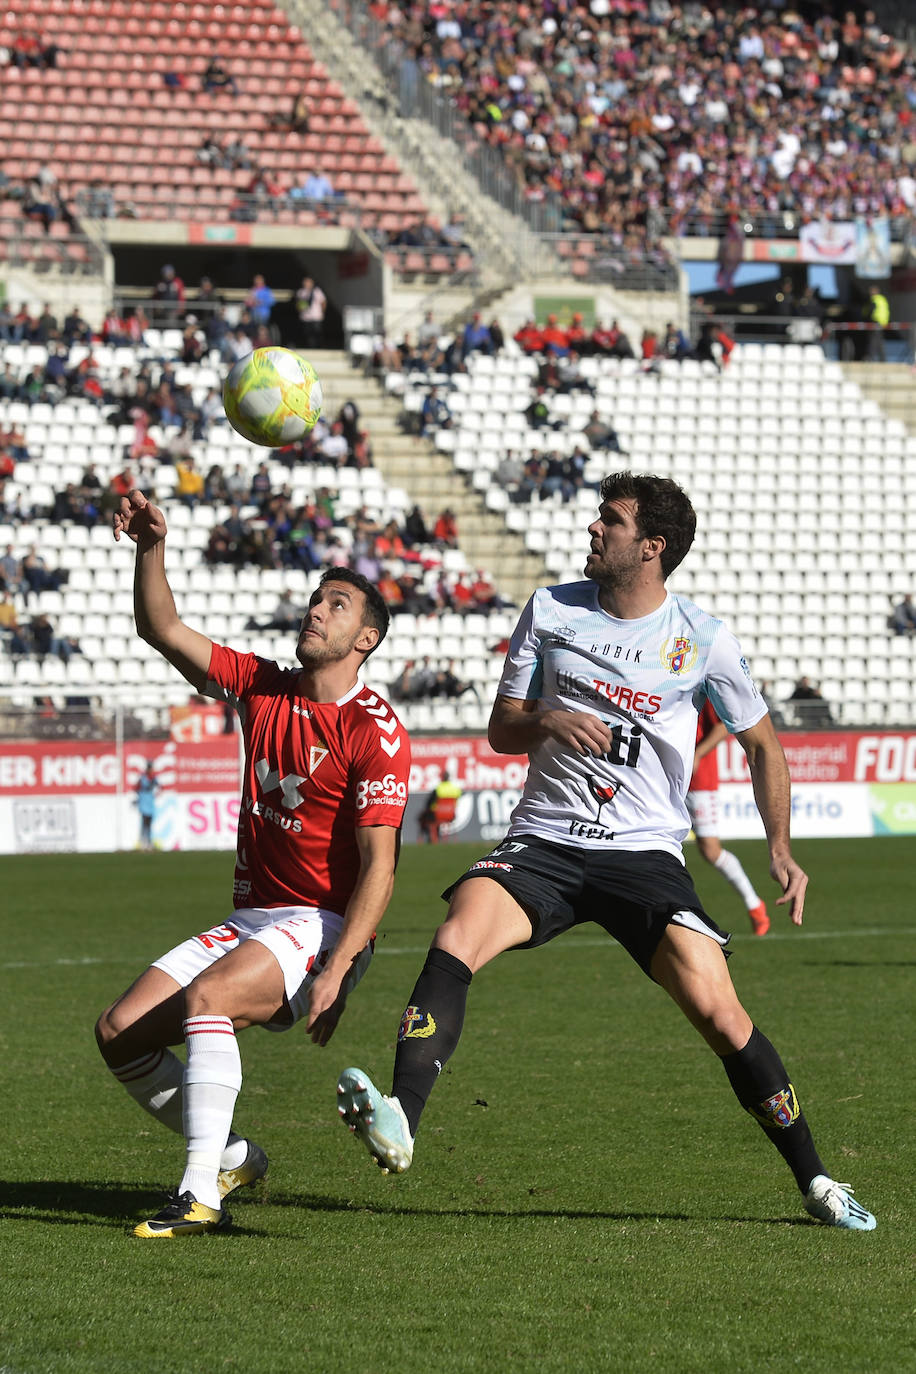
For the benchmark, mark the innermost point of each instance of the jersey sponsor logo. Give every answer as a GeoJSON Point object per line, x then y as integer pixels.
{"type": "Point", "coordinates": [267, 813]}
{"type": "Point", "coordinates": [386, 791]}
{"type": "Point", "coordinates": [302, 711]}
{"type": "Point", "coordinates": [779, 1110]}
{"type": "Point", "coordinates": [384, 720]}
{"type": "Point", "coordinates": [416, 1024]}
{"type": "Point", "coordinates": [241, 890]}
{"type": "Point", "coordinates": [585, 831]}
{"type": "Point", "coordinates": [603, 792]}
{"type": "Point", "coordinates": [269, 780]}
{"type": "Point", "coordinates": [617, 693]}
{"type": "Point", "coordinates": [625, 746]}
{"type": "Point", "coordinates": [628, 655]}
{"type": "Point", "coordinates": [564, 634]}
{"type": "Point", "coordinates": [679, 654]}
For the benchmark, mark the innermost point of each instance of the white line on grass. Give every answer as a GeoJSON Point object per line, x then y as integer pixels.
{"type": "Point", "coordinates": [588, 943]}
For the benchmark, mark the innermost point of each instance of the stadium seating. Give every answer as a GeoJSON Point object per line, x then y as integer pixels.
{"type": "Point", "coordinates": [95, 603]}
{"type": "Point", "coordinates": [114, 58]}
{"type": "Point", "coordinates": [806, 496]}
{"type": "Point", "coordinates": [805, 493]}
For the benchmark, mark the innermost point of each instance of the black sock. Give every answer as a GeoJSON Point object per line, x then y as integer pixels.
{"type": "Point", "coordinates": [762, 1086]}
{"type": "Point", "coordinates": [429, 1031]}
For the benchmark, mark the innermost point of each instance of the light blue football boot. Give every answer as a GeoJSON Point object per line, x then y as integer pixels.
{"type": "Point", "coordinates": [378, 1121]}
{"type": "Point", "coordinates": [833, 1203]}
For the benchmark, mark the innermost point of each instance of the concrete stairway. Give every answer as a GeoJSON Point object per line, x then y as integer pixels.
{"type": "Point", "coordinates": [429, 478]}
{"type": "Point", "coordinates": [502, 243]}
{"type": "Point", "coordinates": [891, 385]}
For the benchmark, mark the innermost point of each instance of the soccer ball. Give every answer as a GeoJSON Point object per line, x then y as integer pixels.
{"type": "Point", "coordinates": [272, 397]}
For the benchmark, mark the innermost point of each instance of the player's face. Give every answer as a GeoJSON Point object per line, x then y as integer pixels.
{"type": "Point", "coordinates": [333, 625]}
{"type": "Point", "coordinates": [616, 556]}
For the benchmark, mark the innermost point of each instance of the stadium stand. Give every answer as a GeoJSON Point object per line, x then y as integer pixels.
{"type": "Point", "coordinates": [806, 495]}
{"type": "Point", "coordinates": [805, 488]}
{"type": "Point", "coordinates": [633, 120]}
{"type": "Point", "coordinates": [145, 64]}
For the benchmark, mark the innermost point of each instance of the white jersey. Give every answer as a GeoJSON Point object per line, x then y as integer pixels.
{"type": "Point", "coordinates": [647, 679]}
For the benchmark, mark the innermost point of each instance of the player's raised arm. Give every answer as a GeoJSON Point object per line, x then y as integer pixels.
{"type": "Point", "coordinates": [155, 615]}
{"type": "Point", "coordinates": [772, 793]}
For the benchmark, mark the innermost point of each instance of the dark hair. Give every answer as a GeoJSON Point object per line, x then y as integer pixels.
{"type": "Point", "coordinates": [662, 507]}
{"type": "Point", "coordinates": [376, 610]}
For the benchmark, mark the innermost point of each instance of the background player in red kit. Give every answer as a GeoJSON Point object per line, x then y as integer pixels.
{"type": "Point", "coordinates": [324, 791]}
{"type": "Point", "coordinates": [703, 805]}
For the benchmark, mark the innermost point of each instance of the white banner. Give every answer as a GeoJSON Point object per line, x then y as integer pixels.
{"type": "Point", "coordinates": [829, 242]}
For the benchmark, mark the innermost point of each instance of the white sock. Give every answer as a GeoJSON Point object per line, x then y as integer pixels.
{"type": "Point", "coordinates": [212, 1080]}
{"type": "Point", "coordinates": [156, 1083]}
{"type": "Point", "coordinates": [730, 868]}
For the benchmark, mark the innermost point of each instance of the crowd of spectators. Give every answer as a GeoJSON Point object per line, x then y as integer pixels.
{"type": "Point", "coordinates": [636, 118]}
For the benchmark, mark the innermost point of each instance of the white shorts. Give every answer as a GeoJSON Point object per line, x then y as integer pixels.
{"type": "Point", "coordinates": [299, 937]}
{"type": "Point", "coordinates": [704, 813]}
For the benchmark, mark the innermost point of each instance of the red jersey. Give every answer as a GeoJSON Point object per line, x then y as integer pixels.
{"type": "Point", "coordinates": [314, 771]}
{"type": "Point", "coordinates": [706, 774]}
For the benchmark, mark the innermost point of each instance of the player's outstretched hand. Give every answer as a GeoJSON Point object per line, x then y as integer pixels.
{"type": "Point", "coordinates": [585, 733]}
{"type": "Point", "coordinates": [794, 882]}
{"type": "Point", "coordinates": [139, 519]}
{"type": "Point", "coordinates": [327, 999]}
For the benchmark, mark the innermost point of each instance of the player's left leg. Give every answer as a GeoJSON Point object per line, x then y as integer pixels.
{"type": "Point", "coordinates": [484, 919]}
{"type": "Point", "coordinates": [692, 968]}
{"type": "Point", "coordinates": [241, 989]}
{"type": "Point", "coordinates": [134, 1035]}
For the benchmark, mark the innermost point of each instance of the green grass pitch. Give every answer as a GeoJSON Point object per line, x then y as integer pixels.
{"type": "Point", "coordinates": [586, 1194]}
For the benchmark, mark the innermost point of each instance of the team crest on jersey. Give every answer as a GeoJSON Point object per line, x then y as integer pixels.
{"type": "Point", "coordinates": [317, 753]}
{"type": "Point", "coordinates": [565, 634]}
{"type": "Point", "coordinates": [416, 1025]}
{"type": "Point", "coordinates": [679, 654]}
{"type": "Point", "coordinates": [779, 1110]}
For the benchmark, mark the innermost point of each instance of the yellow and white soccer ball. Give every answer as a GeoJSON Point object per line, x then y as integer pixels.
{"type": "Point", "coordinates": [272, 397]}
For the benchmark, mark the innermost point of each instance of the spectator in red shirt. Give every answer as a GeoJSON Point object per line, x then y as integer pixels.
{"type": "Point", "coordinates": [445, 530]}
{"type": "Point", "coordinates": [529, 338]}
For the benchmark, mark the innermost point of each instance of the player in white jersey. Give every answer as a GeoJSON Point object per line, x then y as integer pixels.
{"type": "Point", "coordinates": [601, 688]}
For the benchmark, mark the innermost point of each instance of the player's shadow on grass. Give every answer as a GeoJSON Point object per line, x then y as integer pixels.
{"type": "Point", "coordinates": [317, 1202]}
{"type": "Point", "coordinates": [68, 1202]}
{"type": "Point", "coordinates": [859, 963]}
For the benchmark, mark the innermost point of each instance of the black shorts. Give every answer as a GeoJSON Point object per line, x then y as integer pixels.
{"type": "Point", "coordinates": [632, 894]}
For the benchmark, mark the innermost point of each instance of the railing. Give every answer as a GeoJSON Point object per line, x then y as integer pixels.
{"type": "Point", "coordinates": [756, 224]}
{"type": "Point", "coordinates": [595, 258]}
{"type": "Point", "coordinates": [837, 337]}
{"type": "Point", "coordinates": [168, 202]}
{"type": "Point", "coordinates": [75, 255]}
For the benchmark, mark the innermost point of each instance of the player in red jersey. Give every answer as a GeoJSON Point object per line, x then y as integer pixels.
{"type": "Point", "coordinates": [323, 798]}
{"type": "Point", "coordinates": [702, 803]}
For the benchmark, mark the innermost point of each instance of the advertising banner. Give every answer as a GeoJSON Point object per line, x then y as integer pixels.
{"type": "Point", "coordinates": [80, 795]}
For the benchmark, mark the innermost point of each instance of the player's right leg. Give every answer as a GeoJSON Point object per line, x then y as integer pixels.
{"type": "Point", "coordinates": [483, 920]}
{"type": "Point", "coordinates": [134, 1035]}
